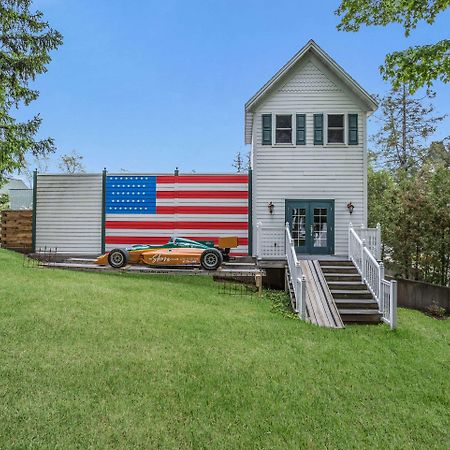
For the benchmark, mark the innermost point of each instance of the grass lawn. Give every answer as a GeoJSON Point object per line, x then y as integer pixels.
{"type": "Point", "coordinates": [130, 361]}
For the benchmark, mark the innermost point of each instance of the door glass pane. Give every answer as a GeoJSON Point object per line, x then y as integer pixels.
{"type": "Point", "coordinates": [298, 228]}
{"type": "Point", "coordinates": [320, 227]}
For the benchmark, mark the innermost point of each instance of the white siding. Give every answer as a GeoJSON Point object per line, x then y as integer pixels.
{"type": "Point", "coordinates": [69, 213]}
{"type": "Point", "coordinates": [310, 171]}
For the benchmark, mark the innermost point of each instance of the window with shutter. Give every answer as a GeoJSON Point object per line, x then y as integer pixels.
{"type": "Point", "coordinates": [318, 129]}
{"type": "Point", "coordinates": [353, 129]}
{"type": "Point", "coordinates": [336, 128]}
{"type": "Point", "coordinates": [283, 130]}
{"type": "Point", "coordinates": [267, 129]}
{"type": "Point", "coordinates": [300, 129]}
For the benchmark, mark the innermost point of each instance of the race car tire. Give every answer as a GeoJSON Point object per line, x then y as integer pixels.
{"type": "Point", "coordinates": [118, 258]}
{"type": "Point", "coordinates": [211, 259]}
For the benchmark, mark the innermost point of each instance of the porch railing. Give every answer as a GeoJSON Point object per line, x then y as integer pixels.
{"type": "Point", "coordinates": [296, 276]}
{"type": "Point", "coordinates": [372, 236]}
{"type": "Point", "coordinates": [372, 272]}
{"type": "Point", "coordinates": [270, 242]}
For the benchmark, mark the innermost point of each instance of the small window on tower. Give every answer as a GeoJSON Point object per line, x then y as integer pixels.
{"type": "Point", "coordinates": [336, 128]}
{"type": "Point", "coordinates": [283, 132]}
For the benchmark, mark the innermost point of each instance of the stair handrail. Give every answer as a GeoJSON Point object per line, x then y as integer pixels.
{"type": "Point", "coordinates": [372, 274]}
{"type": "Point", "coordinates": [296, 276]}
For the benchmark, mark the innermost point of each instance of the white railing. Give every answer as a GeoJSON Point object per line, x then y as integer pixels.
{"type": "Point", "coordinates": [372, 272]}
{"type": "Point", "coordinates": [296, 276]}
{"type": "Point", "coordinates": [270, 242]}
{"type": "Point", "coordinates": [372, 236]}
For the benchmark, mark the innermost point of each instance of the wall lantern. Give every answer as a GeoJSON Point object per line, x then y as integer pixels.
{"type": "Point", "coordinates": [270, 206]}
{"type": "Point", "coordinates": [350, 207]}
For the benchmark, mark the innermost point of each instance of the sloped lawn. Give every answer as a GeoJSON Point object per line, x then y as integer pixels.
{"type": "Point", "coordinates": [122, 361]}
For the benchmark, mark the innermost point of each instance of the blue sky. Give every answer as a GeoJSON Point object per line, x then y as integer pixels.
{"type": "Point", "coordinates": [150, 85]}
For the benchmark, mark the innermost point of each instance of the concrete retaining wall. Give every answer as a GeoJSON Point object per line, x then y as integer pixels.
{"type": "Point", "coordinates": [420, 295]}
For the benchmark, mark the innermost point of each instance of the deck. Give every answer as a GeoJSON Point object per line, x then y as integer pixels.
{"type": "Point", "coordinates": [232, 269]}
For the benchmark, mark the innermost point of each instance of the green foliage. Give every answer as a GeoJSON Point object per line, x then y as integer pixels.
{"type": "Point", "coordinates": [413, 209]}
{"type": "Point", "coordinates": [106, 361]}
{"type": "Point", "coordinates": [436, 310]}
{"type": "Point", "coordinates": [280, 303]}
{"type": "Point", "coordinates": [26, 42]}
{"type": "Point", "coordinates": [410, 195]}
{"type": "Point", "coordinates": [4, 201]}
{"type": "Point", "coordinates": [416, 66]}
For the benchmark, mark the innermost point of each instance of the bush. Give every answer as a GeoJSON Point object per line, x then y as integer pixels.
{"type": "Point", "coordinates": [435, 310]}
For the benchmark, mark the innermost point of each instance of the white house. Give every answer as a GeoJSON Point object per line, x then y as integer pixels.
{"type": "Point", "coordinates": [307, 128]}
{"type": "Point", "coordinates": [20, 196]}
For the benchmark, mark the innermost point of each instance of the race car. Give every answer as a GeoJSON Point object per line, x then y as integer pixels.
{"type": "Point", "coordinates": [176, 252]}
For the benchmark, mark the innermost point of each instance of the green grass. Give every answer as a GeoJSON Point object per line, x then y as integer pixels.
{"type": "Point", "coordinates": [124, 361]}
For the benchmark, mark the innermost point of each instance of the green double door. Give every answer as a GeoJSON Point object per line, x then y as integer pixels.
{"type": "Point", "coordinates": [311, 223]}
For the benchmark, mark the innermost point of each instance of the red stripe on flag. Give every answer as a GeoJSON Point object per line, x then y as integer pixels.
{"type": "Point", "coordinates": [201, 209]}
{"type": "Point", "coordinates": [201, 194]}
{"type": "Point", "coordinates": [201, 179]}
{"type": "Point", "coordinates": [160, 240]}
{"type": "Point", "coordinates": [125, 224]}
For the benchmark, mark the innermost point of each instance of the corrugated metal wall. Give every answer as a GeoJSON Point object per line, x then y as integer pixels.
{"type": "Point", "coordinates": [139, 209]}
{"type": "Point", "coordinates": [69, 213]}
{"type": "Point", "coordinates": [147, 208]}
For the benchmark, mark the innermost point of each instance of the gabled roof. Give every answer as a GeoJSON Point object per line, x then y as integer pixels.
{"type": "Point", "coordinates": [12, 183]}
{"type": "Point", "coordinates": [310, 47]}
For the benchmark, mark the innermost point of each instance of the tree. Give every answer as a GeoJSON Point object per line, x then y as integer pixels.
{"type": "Point", "coordinates": [37, 163]}
{"type": "Point", "coordinates": [72, 163]}
{"type": "Point", "coordinates": [26, 41]}
{"type": "Point", "coordinates": [406, 125]}
{"type": "Point", "coordinates": [242, 163]}
{"type": "Point", "coordinates": [414, 212]}
{"type": "Point", "coordinates": [416, 66]}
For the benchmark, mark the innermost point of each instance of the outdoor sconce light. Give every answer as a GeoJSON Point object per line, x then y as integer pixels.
{"type": "Point", "coordinates": [350, 207]}
{"type": "Point", "coordinates": [270, 206]}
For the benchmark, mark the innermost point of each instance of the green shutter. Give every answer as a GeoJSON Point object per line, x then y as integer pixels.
{"type": "Point", "coordinates": [267, 129]}
{"type": "Point", "coordinates": [318, 129]}
{"type": "Point", "coordinates": [353, 129]}
{"type": "Point", "coordinates": [301, 129]}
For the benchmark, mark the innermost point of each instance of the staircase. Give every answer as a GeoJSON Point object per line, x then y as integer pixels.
{"type": "Point", "coordinates": [354, 301]}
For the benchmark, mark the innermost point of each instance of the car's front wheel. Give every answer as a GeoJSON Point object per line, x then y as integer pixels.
{"type": "Point", "coordinates": [211, 259]}
{"type": "Point", "coordinates": [118, 258]}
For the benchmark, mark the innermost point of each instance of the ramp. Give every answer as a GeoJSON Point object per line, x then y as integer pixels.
{"type": "Point", "coordinates": [320, 304]}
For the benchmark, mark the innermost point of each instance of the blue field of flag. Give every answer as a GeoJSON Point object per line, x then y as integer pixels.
{"type": "Point", "coordinates": [128, 194]}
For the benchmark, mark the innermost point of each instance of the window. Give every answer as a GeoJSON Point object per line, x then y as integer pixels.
{"type": "Point", "coordinates": [336, 129]}
{"type": "Point", "coordinates": [283, 129]}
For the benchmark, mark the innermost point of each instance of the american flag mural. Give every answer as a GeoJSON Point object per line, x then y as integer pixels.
{"type": "Point", "coordinates": [150, 209]}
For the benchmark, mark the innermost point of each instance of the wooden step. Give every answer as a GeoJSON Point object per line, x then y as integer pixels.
{"type": "Point", "coordinates": [360, 316]}
{"type": "Point", "coordinates": [330, 277]}
{"type": "Point", "coordinates": [347, 285]}
{"type": "Point", "coordinates": [336, 262]}
{"type": "Point", "coordinates": [339, 269]}
{"type": "Point", "coordinates": [356, 303]}
{"type": "Point", "coordinates": [351, 293]}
